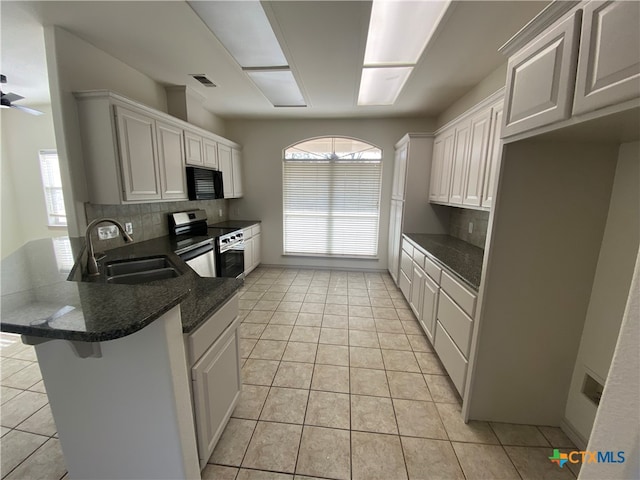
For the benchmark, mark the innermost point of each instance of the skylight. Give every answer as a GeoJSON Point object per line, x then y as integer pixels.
{"type": "Point", "coordinates": [399, 31]}
{"type": "Point", "coordinates": [244, 30]}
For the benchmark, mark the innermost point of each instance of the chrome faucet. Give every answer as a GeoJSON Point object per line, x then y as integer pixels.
{"type": "Point", "coordinates": [92, 264]}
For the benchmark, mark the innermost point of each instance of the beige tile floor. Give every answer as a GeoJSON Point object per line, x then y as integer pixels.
{"type": "Point", "coordinates": [339, 383]}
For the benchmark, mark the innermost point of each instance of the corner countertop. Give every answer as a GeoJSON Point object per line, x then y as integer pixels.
{"type": "Point", "coordinates": [235, 224]}
{"type": "Point", "coordinates": [461, 258]}
{"type": "Point", "coordinates": [39, 301]}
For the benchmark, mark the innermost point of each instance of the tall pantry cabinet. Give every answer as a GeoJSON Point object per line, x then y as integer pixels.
{"type": "Point", "coordinates": [410, 210]}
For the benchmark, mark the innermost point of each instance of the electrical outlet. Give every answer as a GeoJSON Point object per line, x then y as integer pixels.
{"type": "Point", "coordinates": [470, 227]}
{"type": "Point", "coordinates": [220, 212]}
{"type": "Point", "coordinates": [129, 228]}
{"type": "Point", "coordinates": [105, 233]}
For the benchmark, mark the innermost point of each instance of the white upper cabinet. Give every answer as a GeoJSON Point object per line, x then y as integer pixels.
{"type": "Point", "coordinates": [210, 153]}
{"type": "Point", "coordinates": [225, 165]}
{"type": "Point", "coordinates": [465, 156]}
{"type": "Point", "coordinates": [477, 159]}
{"type": "Point", "coordinates": [135, 154]}
{"type": "Point", "coordinates": [193, 149]}
{"type": "Point", "coordinates": [441, 166]}
{"type": "Point", "coordinates": [137, 146]}
{"type": "Point", "coordinates": [171, 161]}
{"type": "Point", "coordinates": [609, 59]}
{"type": "Point", "coordinates": [493, 156]}
{"type": "Point", "coordinates": [540, 79]}
{"type": "Point", "coordinates": [236, 167]}
{"type": "Point", "coordinates": [460, 156]}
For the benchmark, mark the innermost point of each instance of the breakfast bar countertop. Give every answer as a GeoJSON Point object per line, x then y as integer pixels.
{"type": "Point", "coordinates": [39, 301]}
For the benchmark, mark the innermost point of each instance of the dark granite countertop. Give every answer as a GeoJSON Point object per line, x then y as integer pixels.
{"type": "Point", "coordinates": [38, 300]}
{"type": "Point", "coordinates": [235, 224]}
{"type": "Point", "coordinates": [461, 258]}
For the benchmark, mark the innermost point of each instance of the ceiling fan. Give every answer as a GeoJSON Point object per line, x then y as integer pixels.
{"type": "Point", "coordinates": [7, 99]}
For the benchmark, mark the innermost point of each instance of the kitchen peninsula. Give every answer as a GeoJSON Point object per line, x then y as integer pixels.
{"type": "Point", "coordinates": [120, 362]}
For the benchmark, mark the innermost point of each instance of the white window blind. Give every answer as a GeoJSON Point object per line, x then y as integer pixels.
{"type": "Point", "coordinates": [331, 196]}
{"type": "Point", "coordinates": [52, 183]}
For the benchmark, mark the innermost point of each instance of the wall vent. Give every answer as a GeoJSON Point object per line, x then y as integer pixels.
{"type": "Point", "coordinates": [202, 78]}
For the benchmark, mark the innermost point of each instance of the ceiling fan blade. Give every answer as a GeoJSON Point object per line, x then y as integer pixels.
{"type": "Point", "coordinates": [11, 97]}
{"type": "Point", "coordinates": [28, 110]}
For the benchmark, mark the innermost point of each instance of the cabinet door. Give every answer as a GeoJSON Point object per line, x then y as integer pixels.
{"type": "Point", "coordinates": [491, 171]}
{"type": "Point", "coordinates": [395, 235]}
{"type": "Point", "coordinates": [460, 157]}
{"type": "Point", "coordinates": [540, 79]}
{"type": "Point", "coordinates": [477, 161]}
{"type": "Point", "coordinates": [210, 153]}
{"type": "Point", "coordinates": [224, 162]}
{"type": "Point", "coordinates": [429, 307]}
{"type": "Point", "coordinates": [193, 148]}
{"type": "Point", "coordinates": [216, 389]}
{"type": "Point", "coordinates": [436, 169]}
{"type": "Point", "coordinates": [248, 254]}
{"type": "Point", "coordinates": [448, 142]}
{"type": "Point", "coordinates": [138, 156]}
{"type": "Point", "coordinates": [171, 161]}
{"type": "Point", "coordinates": [609, 60]}
{"type": "Point", "coordinates": [236, 166]}
{"type": "Point", "coordinates": [417, 291]}
{"type": "Point", "coordinates": [399, 173]}
{"type": "Point", "coordinates": [257, 244]}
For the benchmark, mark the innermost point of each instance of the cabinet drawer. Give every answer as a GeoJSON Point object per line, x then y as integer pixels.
{"type": "Point", "coordinates": [201, 339]}
{"type": "Point", "coordinates": [432, 270]}
{"type": "Point", "coordinates": [462, 296]}
{"type": "Point", "coordinates": [453, 361]}
{"type": "Point", "coordinates": [418, 257]}
{"type": "Point", "coordinates": [406, 263]}
{"type": "Point", "coordinates": [405, 285]}
{"type": "Point", "coordinates": [407, 247]}
{"type": "Point", "coordinates": [456, 322]}
{"type": "Point", "coordinates": [255, 230]}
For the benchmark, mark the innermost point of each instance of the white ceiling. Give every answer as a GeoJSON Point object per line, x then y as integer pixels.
{"type": "Point", "coordinates": [323, 41]}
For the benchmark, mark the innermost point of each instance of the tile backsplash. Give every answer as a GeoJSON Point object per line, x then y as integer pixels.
{"type": "Point", "coordinates": [150, 219]}
{"type": "Point", "coordinates": [459, 225]}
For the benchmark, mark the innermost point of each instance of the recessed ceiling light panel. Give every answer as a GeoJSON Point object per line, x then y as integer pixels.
{"type": "Point", "coordinates": [400, 30]}
{"type": "Point", "coordinates": [279, 86]}
{"type": "Point", "coordinates": [244, 30]}
{"type": "Point", "coordinates": [382, 85]}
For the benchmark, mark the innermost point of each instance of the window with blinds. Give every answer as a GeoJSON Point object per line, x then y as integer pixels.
{"type": "Point", "coordinates": [331, 197]}
{"type": "Point", "coordinates": [52, 183]}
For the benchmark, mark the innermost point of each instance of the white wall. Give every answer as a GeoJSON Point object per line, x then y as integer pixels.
{"type": "Point", "coordinates": [610, 288]}
{"type": "Point", "coordinates": [263, 143]}
{"type": "Point", "coordinates": [74, 65]}
{"type": "Point", "coordinates": [24, 212]}
{"type": "Point", "coordinates": [616, 424]}
{"type": "Point", "coordinates": [489, 85]}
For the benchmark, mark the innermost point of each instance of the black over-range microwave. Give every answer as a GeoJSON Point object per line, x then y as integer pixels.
{"type": "Point", "coordinates": [203, 184]}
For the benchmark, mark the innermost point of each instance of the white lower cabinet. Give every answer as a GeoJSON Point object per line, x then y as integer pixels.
{"type": "Point", "coordinates": [443, 306]}
{"type": "Point", "coordinates": [430, 296]}
{"type": "Point", "coordinates": [417, 291]}
{"type": "Point", "coordinates": [215, 375]}
{"type": "Point", "coordinates": [451, 357]}
{"type": "Point", "coordinates": [252, 244]}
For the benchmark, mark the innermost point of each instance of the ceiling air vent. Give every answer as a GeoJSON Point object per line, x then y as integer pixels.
{"type": "Point", "coordinates": [202, 78]}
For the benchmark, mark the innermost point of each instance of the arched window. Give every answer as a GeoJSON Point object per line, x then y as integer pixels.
{"type": "Point", "coordinates": [331, 197]}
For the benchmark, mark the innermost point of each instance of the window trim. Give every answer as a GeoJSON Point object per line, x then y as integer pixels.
{"type": "Point", "coordinates": [45, 188]}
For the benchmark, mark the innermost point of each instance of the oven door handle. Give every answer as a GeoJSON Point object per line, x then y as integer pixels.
{"type": "Point", "coordinates": [196, 252]}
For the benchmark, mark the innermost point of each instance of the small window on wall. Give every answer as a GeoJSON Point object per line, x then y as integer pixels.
{"type": "Point", "coordinates": [331, 197]}
{"type": "Point", "coordinates": [52, 184]}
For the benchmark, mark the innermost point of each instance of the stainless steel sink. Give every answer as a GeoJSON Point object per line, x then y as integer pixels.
{"type": "Point", "coordinates": [142, 270]}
